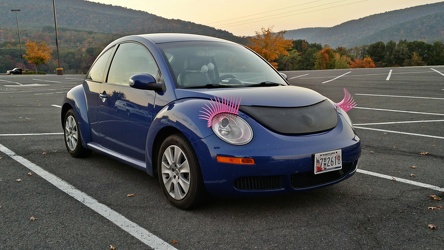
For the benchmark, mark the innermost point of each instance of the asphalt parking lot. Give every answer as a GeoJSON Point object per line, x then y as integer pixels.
{"type": "Point", "coordinates": [49, 200]}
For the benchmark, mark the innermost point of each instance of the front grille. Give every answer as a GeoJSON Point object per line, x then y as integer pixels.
{"type": "Point", "coordinates": [258, 183]}
{"type": "Point", "coordinates": [303, 180]}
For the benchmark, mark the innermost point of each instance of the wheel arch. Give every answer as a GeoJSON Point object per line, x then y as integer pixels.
{"type": "Point", "coordinates": [176, 118]}
{"type": "Point", "coordinates": [75, 99]}
{"type": "Point", "coordinates": [160, 137]}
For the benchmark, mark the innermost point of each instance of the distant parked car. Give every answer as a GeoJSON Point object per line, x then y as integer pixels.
{"type": "Point", "coordinates": [208, 116]}
{"type": "Point", "coordinates": [14, 71]}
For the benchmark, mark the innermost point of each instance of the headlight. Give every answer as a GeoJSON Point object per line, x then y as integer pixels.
{"type": "Point", "coordinates": [232, 129]}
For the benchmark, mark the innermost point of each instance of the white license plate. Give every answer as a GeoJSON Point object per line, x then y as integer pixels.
{"type": "Point", "coordinates": [327, 161]}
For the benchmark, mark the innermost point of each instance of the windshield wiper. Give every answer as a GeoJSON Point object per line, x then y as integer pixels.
{"type": "Point", "coordinates": [266, 84]}
{"type": "Point", "coordinates": [209, 86]}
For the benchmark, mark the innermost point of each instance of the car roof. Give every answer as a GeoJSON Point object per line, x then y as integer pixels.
{"type": "Point", "coordinates": [177, 37]}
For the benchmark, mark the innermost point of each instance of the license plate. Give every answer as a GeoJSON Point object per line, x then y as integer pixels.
{"type": "Point", "coordinates": [327, 161]}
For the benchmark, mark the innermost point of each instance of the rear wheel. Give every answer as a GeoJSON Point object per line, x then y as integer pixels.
{"type": "Point", "coordinates": [73, 139]}
{"type": "Point", "coordinates": [179, 173]}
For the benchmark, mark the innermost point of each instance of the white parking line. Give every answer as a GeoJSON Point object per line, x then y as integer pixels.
{"type": "Point", "coordinates": [392, 123]}
{"type": "Point", "coordinates": [437, 71]}
{"type": "Point", "coordinates": [72, 78]}
{"type": "Point", "coordinates": [28, 85]}
{"type": "Point", "coordinates": [119, 220]}
{"type": "Point", "coordinates": [6, 81]}
{"type": "Point", "coordinates": [400, 132]}
{"type": "Point", "coordinates": [48, 93]}
{"type": "Point", "coordinates": [294, 77]}
{"type": "Point", "coordinates": [400, 111]}
{"type": "Point", "coordinates": [43, 80]}
{"type": "Point", "coordinates": [337, 77]}
{"type": "Point", "coordinates": [392, 178]}
{"type": "Point", "coordinates": [403, 96]}
{"type": "Point", "coordinates": [29, 134]}
{"type": "Point", "coordinates": [389, 75]}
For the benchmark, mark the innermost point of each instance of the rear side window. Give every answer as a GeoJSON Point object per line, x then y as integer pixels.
{"type": "Point", "coordinates": [97, 72]}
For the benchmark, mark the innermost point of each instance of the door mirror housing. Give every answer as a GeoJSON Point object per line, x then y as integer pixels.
{"type": "Point", "coordinates": [283, 75]}
{"type": "Point", "coordinates": [145, 82]}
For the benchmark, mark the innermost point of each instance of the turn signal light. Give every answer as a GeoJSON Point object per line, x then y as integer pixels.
{"type": "Point", "coordinates": [235, 160]}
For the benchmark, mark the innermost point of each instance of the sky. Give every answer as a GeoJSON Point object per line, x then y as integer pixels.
{"type": "Point", "coordinates": [245, 17]}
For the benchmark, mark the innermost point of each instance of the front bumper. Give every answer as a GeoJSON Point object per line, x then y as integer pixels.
{"type": "Point", "coordinates": [282, 163]}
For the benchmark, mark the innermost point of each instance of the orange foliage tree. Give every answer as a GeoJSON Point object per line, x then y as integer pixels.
{"type": "Point", "coordinates": [270, 45]}
{"type": "Point", "coordinates": [325, 59]}
{"type": "Point", "coordinates": [37, 53]}
{"type": "Point", "coordinates": [364, 63]}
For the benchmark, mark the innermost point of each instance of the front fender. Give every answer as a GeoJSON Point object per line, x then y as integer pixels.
{"type": "Point", "coordinates": [76, 99]}
{"type": "Point", "coordinates": [181, 116]}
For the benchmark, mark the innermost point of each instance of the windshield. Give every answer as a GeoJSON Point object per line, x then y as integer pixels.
{"type": "Point", "coordinates": [217, 64]}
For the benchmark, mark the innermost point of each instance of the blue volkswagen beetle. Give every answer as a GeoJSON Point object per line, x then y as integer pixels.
{"type": "Point", "coordinates": [208, 116]}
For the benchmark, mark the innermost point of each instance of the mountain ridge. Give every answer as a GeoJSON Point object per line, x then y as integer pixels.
{"type": "Point", "coordinates": [422, 23]}
{"type": "Point", "coordinates": [364, 30]}
{"type": "Point", "coordinates": [89, 16]}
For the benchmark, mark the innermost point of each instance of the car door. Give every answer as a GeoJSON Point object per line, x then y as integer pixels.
{"type": "Point", "coordinates": [92, 86]}
{"type": "Point", "coordinates": [126, 113]}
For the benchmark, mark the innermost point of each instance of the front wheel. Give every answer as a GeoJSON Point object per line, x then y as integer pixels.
{"type": "Point", "coordinates": [179, 173]}
{"type": "Point", "coordinates": [73, 139]}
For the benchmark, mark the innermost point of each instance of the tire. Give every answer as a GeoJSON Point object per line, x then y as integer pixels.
{"type": "Point", "coordinates": [179, 173]}
{"type": "Point", "coordinates": [73, 139]}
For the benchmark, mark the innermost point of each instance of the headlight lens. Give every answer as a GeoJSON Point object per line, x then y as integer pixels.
{"type": "Point", "coordinates": [232, 129]}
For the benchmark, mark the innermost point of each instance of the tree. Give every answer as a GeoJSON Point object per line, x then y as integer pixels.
{"type": "Point", "coordinates": [301, 45]}
{"type": "Point", "coordinates": [415, 60]}
{"type": "Point", "coordinates": [342, 61]}
{"type": "Point", "coordinates": [421, 49]}
{"type": "Point", "coordinates": [342, 51]}
{"type": "Point", "coordinates": [37, 53]}
{"type": "Point", "coordinates": [307, 51]}
{"type": "Point", "coordinates": [437, 54]}
{"type": "Point", "coordinates": [289, 62]}
{"type": "Point", "coordinates": [401, 53]}
{"type": "Point", "coordinates": [308, 59]}
{"type": "Point", "coordinates": [364, 63]}
{"type": "Point", "coordinates": [389, 52]}
{"type": "Point", "coordinates": [270, 45]}
{"type": "Point", "coordinates": [377, 52]}
{"type": "Point", "coordinates": [325, 59]}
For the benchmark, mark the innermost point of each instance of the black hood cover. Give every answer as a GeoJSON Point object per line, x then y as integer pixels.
{"type": "Point", "coordinates": [311, 119]}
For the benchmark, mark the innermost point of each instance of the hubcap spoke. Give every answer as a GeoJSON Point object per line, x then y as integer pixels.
{"type": "Point", "coordinates": [184, 183]}
{"type": "Point", "coordinates": [169, 156]}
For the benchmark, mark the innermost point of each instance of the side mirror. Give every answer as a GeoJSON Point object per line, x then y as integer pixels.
{"type": "Point", "coordinates": [283, 75]}
{"type": "Point", "coordinates": [145, 82]}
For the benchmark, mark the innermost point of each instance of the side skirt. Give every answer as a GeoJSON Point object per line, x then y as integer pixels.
{"type": "Point", "coordinates": [141, 165]}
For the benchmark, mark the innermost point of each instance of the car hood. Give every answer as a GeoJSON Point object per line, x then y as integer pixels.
{"type": "Point", "coordinates": [276, 96]}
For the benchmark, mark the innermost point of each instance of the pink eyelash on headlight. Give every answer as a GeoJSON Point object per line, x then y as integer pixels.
{"type": "Point", "coordinates": [218, 106]}
{"type": "Point", "coordinates": [347, 103]}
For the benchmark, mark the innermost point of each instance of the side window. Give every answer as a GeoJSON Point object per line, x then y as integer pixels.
{"type": "Point", "coordinates": [97, 71]}
{"type": "Point", "coordinates": [131, 59]}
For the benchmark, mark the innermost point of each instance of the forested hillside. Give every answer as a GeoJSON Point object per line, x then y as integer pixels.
{"type": "Point", "coordinates": [428, 29]}
{"type": "Point", "coordinates": [88, 16]}
{"type": "Point", "coordinates": [421, 23]}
